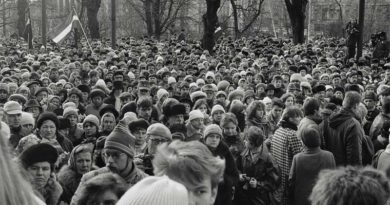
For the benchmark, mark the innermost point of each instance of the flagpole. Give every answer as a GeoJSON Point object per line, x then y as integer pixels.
{"type": "Point", "coordinates": [82, 29]}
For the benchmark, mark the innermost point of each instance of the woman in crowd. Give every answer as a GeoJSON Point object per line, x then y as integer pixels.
{"type": "Point", "coordinates": [231, 134]}
{"type": "Point", "coordinates": [107, 124]}
{"type": "Point", "coordinates": [255, 116]}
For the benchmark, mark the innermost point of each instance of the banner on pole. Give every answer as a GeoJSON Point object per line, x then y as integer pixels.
{"type": "Point", "coordinates": [75, 22]}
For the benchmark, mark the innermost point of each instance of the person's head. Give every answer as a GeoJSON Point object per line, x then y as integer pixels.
{"type": "Point", "coordinates": [311, 106]}
{"type": "Point", "coordinates": [217, 113]}
{"type": "Point", "coordinates": [288, 99]}
{"type": "Point", "coordinates": [39, 161]}
{"type": "Point", "coordinates": [157, 134]}
{"type": "Point", "coordinates": [4, 91]}
{"type": "Point", "coordinates": [47, 125]}
{"type": "Point", "coordinates": [347, 185]}
{"type": "Point", "coordinates": [229, 124]}
{"type": "Point", "coordinates": [255, 110]}
{"type": "Point", "coordinates": [370, 100]}
{"type": "Point", "coordinates": [144, 108]}
{"type": "Point", "coordinates": [193, 165]}
{"type": "Point", "coordinates": [254, 137]}
{"type": "Point", "coordinates": [175, 114]}
{"type": "Point", "coordinates": [27, 123]}
{"type": "Point", "coordinates": [196, 118]}
{"type": "Point", "coordinates": [212, 135]}
{"type": "Point", "coordinates": [72, 115]}
{"type": "Point", "coordinates": [80, 159]}
{"type": "Point", "coordinates": [277, 108]}
{"type": "Point", "coordinates": [105, 188]}
{"type": "Point", "coordinates": [201, 105]}
{"type": "Point", "coordinates": [118, 150]}
{"type": "Point", "coordinates": [352, 100]}
{"type": "Point", "coordinates": [91, 125]}
{"type": "Point", "coordinates": [97, 96]}
{"type": "Point", "coordinates": [292, 115]}
{"type": "Point", "coordinates": [311, 137]}
{"type": "Point", "coordinates": [157, 191]}
{"type": "Point", "coordinates": [138, 129]}
{"type": "Point", "coordinates": [75, 96]}
{"type": "Point", "coordinates": [13, 113]}
{"type": "Point", "coordinates": [108, 122]}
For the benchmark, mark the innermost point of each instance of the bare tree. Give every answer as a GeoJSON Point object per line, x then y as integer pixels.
{"type": "Point", "coordinates": [22, 6]}
{"type": "Point", "coordinates": [250, 12]}
{"type": "Point", "coordinates": [158, 15]}
{"type": "Point", "coordinates": [341, 14]}
{"type": "Point", "coordinates": [297, 12]}
{"type": "Point", "coordinates": [210, 22]}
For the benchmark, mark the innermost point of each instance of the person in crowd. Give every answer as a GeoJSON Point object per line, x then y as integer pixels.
{"type": "Point", "coordinates": [344, 133]}
{"type": "Point", "coordinates": [216, 114]}
{"type": "Point", "coordinates": [231, 134]}
{"type": "Point", "coordinates": [156, 190]}
{"type": "Point", "coordinates": [13, 113]}
{"type": "Point", "coordinates": [380, 119]}
{"type": "Point", "coordinates": [193, 165]}
{"type": "Point", "coordinates": [259, 172]}
{"type": "Point", "coordinates": [138, 128]}
{"type": "Point", "coordinates": [107, 124]}
{"type": "Point", "coordinates": [255, 116]}
{"type": "Point", "coordinates": [27, 124]}
{"type": "Point", "coordinates": [38, 160]}
{"type": "Point", "coordinates": [311, 110]}
{"type": "Point", "coordinates": [118, 154]}
{"type": "Point", "coordinates": [275, 115]}
{"type": "Point", "coordinates": [75, 132]}
{"type": "Point", "coordinates": [106, 188]}
{"type": "Point", "coordinates": [360, 186]}
{"type": "Point", "coordinates": [47, 130]}
{"type": "Point", "coordinates": [213, 140]}
{"type": "Point", "coordinates": [307, 165]}
{"type": "Point", "coordinates": [285, 144]}
{"type": "Point", "coordinates": [80, 162]}
{"type": "Point", "coordinates": [370, 101]}
{"type": "Point", "coordinates": [195, 125]}
{"type": "Point", "coordinates": [96, 96]}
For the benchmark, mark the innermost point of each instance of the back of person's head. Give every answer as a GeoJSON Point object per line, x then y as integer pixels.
{"type": "Point", "coordinates": [291, 112]}
{"type": "Point", "coordinates": [348, 186]}
{"type": "Point", "coordinates": [255, 136]}
{"type": "Point", "coordinates": [310, 106]}
{"type": "Point", "coordinates": [311, 137]}
{"type": "Point", "coordinates": [227, 118]}
{"type": "Point", "coordinates": [99, 185]}
{"type": "Point", "coordinates": [253, 107]}
{"type": "Point", "coordinates": [351, 100]}
{"type": "Point", "coordinates": [386, 105]}
{"type": "Point", "coordinates": [188, 162]}
{"type": "Point", "coordinates": [144, 102]}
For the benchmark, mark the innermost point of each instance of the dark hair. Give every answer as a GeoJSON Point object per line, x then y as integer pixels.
{"type": "Point", "coordinates": [255, 136]}
{"type": "Point", "coordinates": [144, 102]}
{"type": "Point", "coordinates": [310, 106]}
{"type": "Point", "coordinates": [351, 99]}
{"type": "Point", "coordinates": [251, 109]}
{"type": "Point", "coordinates": [291, 112]}
{"type": "Point", "coordinates": [386, 105]}
{"type": "Point", "coordinates": [311, 137]}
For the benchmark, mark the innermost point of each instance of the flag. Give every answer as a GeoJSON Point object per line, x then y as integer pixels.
{"type": "Point", "coordinates": [74, 22]}
{"type": "Point", "coordinates": [27, 34]}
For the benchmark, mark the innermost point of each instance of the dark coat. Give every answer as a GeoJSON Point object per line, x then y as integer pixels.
{"type": "Point", "coordinates": [261, 166]}
{"type": "Point", "coordinates": [377, 124]}
{"type": "Point", "coordinates": [344, 137]}
{"type": "Point", "coordinates": [230, 176]}
{"type": "Point", "coordinates": [235, 144]}
{"type": "Point", "coordinates": [69, 181]}
{"type": "Point", "coordinates": [304, 172]}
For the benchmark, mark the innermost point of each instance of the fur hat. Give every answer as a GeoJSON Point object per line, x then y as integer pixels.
{"type": "Point", "coordinates": [121, 139]}
{"type": "Point", "coordinates": [159, 130]}
{"type": "Point", "coordinates": [38, 153]}
{"type": "Point", "coordinates": [157, 191]}
{"type": "Point", "coordinates": [197, 95]}
{"type": "Point", "coordinates": [109, 108]}
{"type": "Point", "coordinates": [92, 119]}
{"type": "Point", "coordinates": [27, 118]}
{"type": "Point", "coordinates": [70, 111]}
{"type": "Point", "coordinates": [318, 88]}
{"type": "Point", "coordinates": [138, 124]}
{"type": "Point", "coordinates": [97, 92]}
{"type": "Point", "coordinates": [235, 93]}
{"type": "Point", "coordinates": [222, 85]}
{"type": "Point", "coordinates": [176, 109]}
{"type": "Point", "coordinates": [47, 116]}
{"type": "Point", "coordinates": [296, 76]}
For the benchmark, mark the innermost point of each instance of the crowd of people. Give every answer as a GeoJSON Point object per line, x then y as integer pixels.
{"type": "Point", "coordinates": [257, 121]}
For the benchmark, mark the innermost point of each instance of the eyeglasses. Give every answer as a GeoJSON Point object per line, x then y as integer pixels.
{"type": "Point", "coordinates": [113, 155]}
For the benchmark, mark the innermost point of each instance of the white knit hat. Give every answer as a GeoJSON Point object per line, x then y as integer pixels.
{"type": "Point", "coordinates": [27, 118]}
{"type": "Point", "coordinates": [161, 92]}
{"type": "Point", "coordinates": [195, 114]}
{"type": "Point", "coordinates": [155, 191]}
{"type": "Point", "coordinates": [217, 108]}
{"type": "Point", "coordinates": [171, 80]}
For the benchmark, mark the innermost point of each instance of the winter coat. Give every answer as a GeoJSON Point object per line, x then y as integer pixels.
{"type": "Point", "coordinates": [261, 166]}
{"type": "Point", "coordinates": [377, 124]}
{"type": "Point", "coordinates": [192, 133]}
{"type": "Point", "coordinates": [263, 124]}
{"type": "Point", "coordinates": [134, 177]}
{"type": "Point", "coordinates": [235, 144]}
{"type": "Point", "coordinates": [230, 176]}
{"type": "Point", "coordinates": [15, 137]}
{"type": "Point", "coordinates": [343, 137]}
{"type": "Point", "coordinates": [284, 145]}
{"type": "Point", "coordinates": [75, 134]}
{"type": "Point", "coordinates": [304, 173]}
{"type": "Point", "coordinates": [69, 181]}
{"type": "Point", "coordinates": [309, 121]}
{"type": "Point", "coordinates": [50, 193]}
{"type": "Point", "coordinates": [384, 161]}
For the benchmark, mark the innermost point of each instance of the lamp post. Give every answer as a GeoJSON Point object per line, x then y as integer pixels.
{"type": "Point", "coordinates": [362, 4]}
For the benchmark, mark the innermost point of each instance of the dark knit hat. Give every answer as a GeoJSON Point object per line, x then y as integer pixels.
{"type": "Point", "coordinates": [109, 108]}
{"type": "Point", "coordinates": [84, 88]}
{"type": "Point", "coordinates": [38, 153]}
{"type": "Point", "coordinates": [47, 116]}
{"type": "Point", "coordinates": [138, 124]}
{"type": "Point", "coordinates": [121, 139]}
{"type": "Point", "coordinates": [97, 92]}
{"type": "Point", "coordinates": [159, 130]}
{"type": "Point", "coordinates": [212, 129]}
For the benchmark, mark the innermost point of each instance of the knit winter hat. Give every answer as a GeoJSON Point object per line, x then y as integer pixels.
{"type": "Point", "coordinates": [171, 80]}
{"type": "Point", "coordinates": [159, 129]}
{"type": "Point", "coordinates": [222, 85]}
{"type": "Point", "coordinates": [217, 108]}
{"type": "Point", "coordinates": [212, 129]}
{"type": "Point", "coordinates": [27, 118]}
{"type": "Point", "coordinates": [92, 119]}
{"type": "Point", "coordinates": [121, 139]}
{"type": "Point", "coordinates": [160, 93]}
{"type": "Point", "coordinates": [70, 111]}
{"type": "Point", "coordinates": [195, 114]}
{"type": "Point", "coordinates": [157, 191]}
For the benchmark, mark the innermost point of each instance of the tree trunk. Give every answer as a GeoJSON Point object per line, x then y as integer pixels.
{"type": "Point", "coordinates": [148, 17]}
{"type": "Point", "coordinates": [235, 18]}
{"type": "Point", "coordinates": [157, 20]}
{"type": "Point", "coordinates": [22, 9]}
{"type": "Point", "coordinates": [93, 23]}
{"type": "Point", "coordinates": [296, 11]}
{"type": "Point", "coordinates": [210, 21]}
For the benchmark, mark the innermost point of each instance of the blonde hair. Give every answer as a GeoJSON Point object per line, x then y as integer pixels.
{"type": "Point", "coordinates": [14, 190]}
